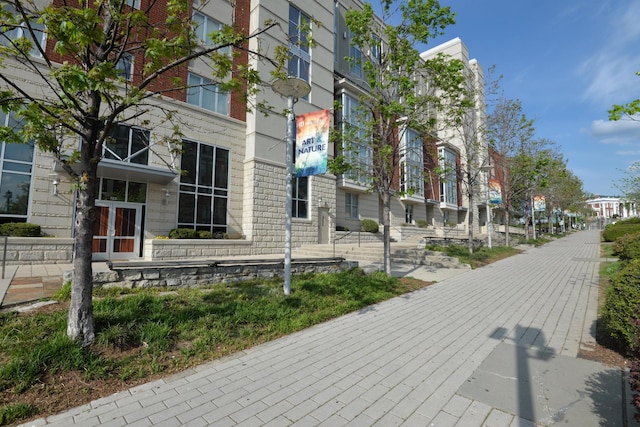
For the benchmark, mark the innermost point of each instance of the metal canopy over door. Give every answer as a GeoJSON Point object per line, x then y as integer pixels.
{"type": "Point", "coordinates": [116, 231]}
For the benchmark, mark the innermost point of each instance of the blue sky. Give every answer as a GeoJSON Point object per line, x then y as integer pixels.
{"type": "Point", "coordinates": [568, 62]}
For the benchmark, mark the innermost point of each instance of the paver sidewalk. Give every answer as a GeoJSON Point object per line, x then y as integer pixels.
{"type": "Point", "coordinates": [410, 360]}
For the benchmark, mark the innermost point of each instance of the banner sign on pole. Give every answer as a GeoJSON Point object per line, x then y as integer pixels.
{"type": "Point", "coordinates": [495, 192]}
{"type": "Point", "coordinates": [312, 143]}
{"type": "Point", "coordinates": [539, 204]}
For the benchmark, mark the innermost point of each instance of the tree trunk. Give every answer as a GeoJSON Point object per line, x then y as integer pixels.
{"type": "Point", "coordinates": [80, 324]}
{"type": "Point", "coordinates": [386, 213]}
{"type": "Point", "coordinates": [470, 224]}
{"type": "Point", "coordinates": [507, 220]}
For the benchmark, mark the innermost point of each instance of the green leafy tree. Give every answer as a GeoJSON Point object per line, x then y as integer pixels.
{"type": "Point", "coordinates": [508, 128]}
{"type": "Point", "coordinates": [399, 94]}
{"type": "Point", "coordinates": [630, 184]}
{"type": "Point", "coordinates": [83, 92]}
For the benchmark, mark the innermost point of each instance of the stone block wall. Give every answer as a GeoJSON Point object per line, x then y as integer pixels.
{"type": "Point", "coordinates": [36, 250]}
{"type": "Point", "coordinates": [192, 274]}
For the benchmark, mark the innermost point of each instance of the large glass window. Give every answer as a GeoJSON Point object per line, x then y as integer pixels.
{"type": "Point", "coordinates": [16, 166]}
{"type": "Point", "coordinates": [412, 180]}
{"type": "Point", "coordinates": [300, 60]}
{"type": "Point", "coordinates": [125, 66]}
{"type": "Point", "coordinates": [11, 35]}
{"type": "Point", "coordinates": [355, 55]}
{"type": "Point", "coordinates": [356, 148]}
{"type": "Point", "coordinates": [204, 28]}
{"type": "Point", "coordinates": [300, 198]}
{"type": "Point", "coordinates": [206, 94]}
{"type": "Point", "coordinates": [128, 144]}
{"type": "Point", "coordinates": [204, 188]}
{"type": "Point", "coordinates": [448, 181]}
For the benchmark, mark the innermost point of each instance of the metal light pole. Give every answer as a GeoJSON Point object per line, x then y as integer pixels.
{"type": "Point", "coordinates": [292, 88]}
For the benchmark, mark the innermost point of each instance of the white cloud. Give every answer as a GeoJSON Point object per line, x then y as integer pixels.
{"type": "Point", "coordinates": [621, 132]}
{"type": "Point", "coordinates": [612, 67]}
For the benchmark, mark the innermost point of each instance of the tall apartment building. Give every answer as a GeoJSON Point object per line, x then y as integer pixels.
{"type": "Point", "coordinates": [234, 160]}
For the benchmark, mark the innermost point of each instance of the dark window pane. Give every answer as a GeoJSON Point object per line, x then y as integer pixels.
{"type": "Point", "coordinates": [222, 168]}
{"type": "Point", "coordinates": [220, 211]}
{"type": "Point", "coordinates": [205, 171]}
{"type": "Point", "coordinates": [15, 193]}
{"type": "Point", "coordinates": [113, 190]}
{"type": "Point", "coordinates": [187, 208]}
{"type": "Point", "coordinates": [188, 162]}
{"type": "Point", "coordinates": [137, 192]}
{"type": "Point", "coordinates": [139, 144]}
{"type": "Point", "coordinates": [20, 152]}
{"type": "Point", "coordinates": [204, 210]}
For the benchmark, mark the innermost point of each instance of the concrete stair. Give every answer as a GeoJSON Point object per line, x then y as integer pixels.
{"type": "Point", "coordinates": [406, 253]}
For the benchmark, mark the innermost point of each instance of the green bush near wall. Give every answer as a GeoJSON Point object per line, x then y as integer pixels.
{"type": "Point", "coordinates": [20, 229]}
{"type": "Point", "coordinates": [369, 225]}
{"type": "Point", "coordinates": [190, 233]}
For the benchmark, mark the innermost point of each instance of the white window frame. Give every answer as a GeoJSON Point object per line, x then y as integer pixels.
{"type": "Point", "coordinates": [7, 38]}
{"type": "Point", "coordinates": [448, 182]}
{"type": "Point", "coordinates": [351, 204]}
{"type": "Point", "coordinates": [361, 152]}
{"type": "Point", "coordinates": [205, 25]}
{"type": "Point", "coordinates": [198, 89]}
{"type": "Point", "coordinates": [412, 163]}
{"type": "Point", "coordinates": [300, 61]}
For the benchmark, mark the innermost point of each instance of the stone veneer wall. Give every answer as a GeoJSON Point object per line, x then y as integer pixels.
{"type": "Point", "coordinates": [36, 250]}
{"type": "Point", "coordinates": [191, 274]}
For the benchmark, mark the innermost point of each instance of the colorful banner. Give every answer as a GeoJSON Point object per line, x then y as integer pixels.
{"type": "Point", "coordinates": [539, 204]}
{"type": "Point", "coordinates": [495, 192]}
{"type": "Point", "coordinates": [312, 143]}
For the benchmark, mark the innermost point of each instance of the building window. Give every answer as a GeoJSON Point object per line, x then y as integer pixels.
{"type": "Point", "coordinates": [206, 94]}
{"type": "Point", "coordinates": [204, 28]}
{"type": "Point", "coordinates": [128, 144]}
{"type": "Point", "coordinates": [204, 189]}
{"type": "Point", "coordinates": [412, 180]}
{"type": "Point", "coordinates": [356, 148]}
{"type": "Point", "coordinates": [124, 67]}
{"type": "Point", "coordinates": [300, 198]}
{"type": "Point", "coordinates": [122, 191]}
{"type": "Point", "coordinates": [355, 56]}
{"type": "Point", "coordinates": [351, 205]}
{"type": "Point", "coordinates": [12, 34]}
{"type": "Point", "coordinates": [376, 50]}
{"type": "Point", "coordinates": [448, 181]}
{"type": "Point", "coordinates": [300, 60]}
{"type": "Point", "coordinates": [16, 166]}
{"type": "Point", "coordinates": [134, 3]}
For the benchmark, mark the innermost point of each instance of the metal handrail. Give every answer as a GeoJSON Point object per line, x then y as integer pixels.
{"type": "Point", "coordinates": [348, 234]}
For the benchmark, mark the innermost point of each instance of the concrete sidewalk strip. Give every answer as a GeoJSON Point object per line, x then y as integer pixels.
{"type": "Point", "coordinates": [416, 360]}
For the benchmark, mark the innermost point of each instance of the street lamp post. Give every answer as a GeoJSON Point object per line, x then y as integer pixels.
{"type": "Point", "coordinates": [292, 88]}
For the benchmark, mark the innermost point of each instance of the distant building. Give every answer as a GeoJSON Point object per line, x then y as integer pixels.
{"type": "Point", "coordinates": [612, 207]}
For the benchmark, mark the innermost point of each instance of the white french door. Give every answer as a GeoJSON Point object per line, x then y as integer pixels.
{"type": "Point", "coordinates": [116, 231]}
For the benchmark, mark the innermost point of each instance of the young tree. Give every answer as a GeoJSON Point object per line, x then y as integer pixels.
{"type": "Point", "coordinates": [82, 50]}
{"type": "Point", "coordinates": [507, 129]}
{"type": "Point", "coordinates": [397, 98]}
{"type": "Point", "coordinates": [630, 184]}
{"type": "Point", "coordinates": [629, 110]}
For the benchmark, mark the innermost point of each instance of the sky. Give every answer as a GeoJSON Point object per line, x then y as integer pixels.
{"type": "Point", "coordinates": [568, 62]}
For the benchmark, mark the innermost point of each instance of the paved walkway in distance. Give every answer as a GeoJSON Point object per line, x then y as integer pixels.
{"type": "Point", "coordinates": [495, 346]}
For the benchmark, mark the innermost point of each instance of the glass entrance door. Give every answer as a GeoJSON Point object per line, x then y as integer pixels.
{"type": "Point", "coordinates": [116, 231]}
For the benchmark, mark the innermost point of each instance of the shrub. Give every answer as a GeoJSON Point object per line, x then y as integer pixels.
{"type": "Point", "coordinates": [627, 247]}
{"type": "Point", "coordinates": [341, 228]}
{"type": "Point", "coordinates": [622, 302]}
{"type": "Point", "coordinates": [369, 225]}
{"type": "Point", "coordinates": [183, 233]}
{"type": "Point", "coordinates": [204, 234]}
{"type": "Point", "coordinates": [422, 223]}
{"type": "Point", "coordinates": [613, 231]}
{"type": "Point", "coordinates": [20, 229]}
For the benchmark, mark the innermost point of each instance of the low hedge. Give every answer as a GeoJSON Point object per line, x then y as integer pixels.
{"type": "Point", "coordinates": [20, 229]}
{"type": "Point", "coordinates": [621, 305]}
{"type": "Point", "coordinates": [190, 233]}
{"type": "Point", "coordinates": [614, 231]}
